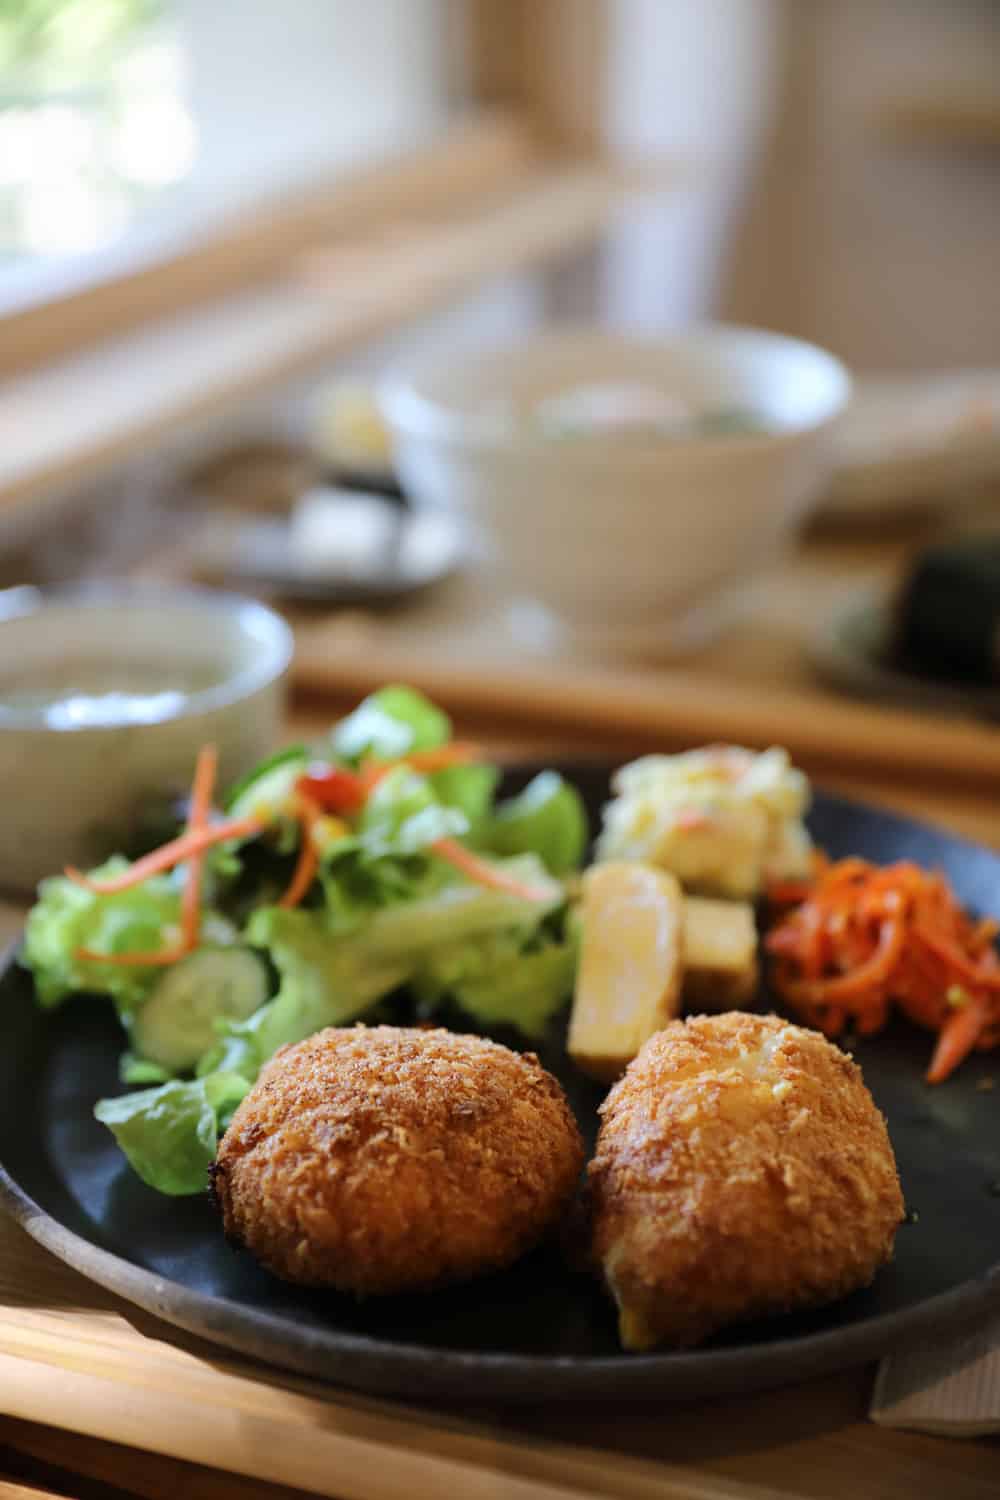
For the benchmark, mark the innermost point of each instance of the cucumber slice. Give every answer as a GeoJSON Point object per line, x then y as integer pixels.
{"type": "Point", "coordinates": [270, 784]}
{"type": "Point", "coordinates": [175, 1026]}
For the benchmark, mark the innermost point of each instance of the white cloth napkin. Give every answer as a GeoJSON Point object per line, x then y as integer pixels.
{"type": "Point", "coordinates": [950, 1388]}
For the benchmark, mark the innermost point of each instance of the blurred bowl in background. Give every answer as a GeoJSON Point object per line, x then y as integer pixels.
{"type": "Point", "coordinates": [631, 487]}
{"type": "Point", "coordinates": [107, 692]}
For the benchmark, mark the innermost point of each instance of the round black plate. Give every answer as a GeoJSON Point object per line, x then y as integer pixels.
{"type": "Point", "coordinates": [539, 1330]}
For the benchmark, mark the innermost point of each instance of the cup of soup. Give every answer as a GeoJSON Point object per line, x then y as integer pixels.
{"type": "Point", "coordinates": [107, 692]}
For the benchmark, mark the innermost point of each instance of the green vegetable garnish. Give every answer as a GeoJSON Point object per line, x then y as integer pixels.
{"type": "Point", "coordinates": [339, 878]}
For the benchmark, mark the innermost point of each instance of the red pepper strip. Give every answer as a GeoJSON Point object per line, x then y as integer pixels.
{"type": "Point", "coordinates": [169, 855]}
{"type": "Point", "coordinates": [482, 873]}
{"type": "Point", "coordinates": [343, 791]}
{"type": "Point", "coordinates": [959, 1035]}
{"type": "Point", "coordinates": [338, 790]}
{"type": "Point", "coordinates": [334, 789]}
{"type": "Point", "coordinates": [308, 861]}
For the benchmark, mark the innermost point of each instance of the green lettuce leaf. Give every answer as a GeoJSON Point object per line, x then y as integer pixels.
{"type": "Point", "coordinates": [548, 819]}
{"type": "Point", "coordinates": [387, 860]}
{"type": "Point", "coordinates": [391, 723]}
{"type": "Point", "coordinates": [133, 1069]}
{"type": "Point", "coordinates": [459, 910]}
{"type": "Point", "coordinates": [325, 981]}
{"type": "Point", "coordinates": [470, 789]}
{"type": "Point", "coordinates": [328, 979]}
{"type": "Point", "coordinates": [66, 917]}
{"type": "Point", "coordinates": [402, 816]}
{"type": "Point", "coordinates": [169, 1134]}
{"type": "Point", "coordinates": [496, 981]}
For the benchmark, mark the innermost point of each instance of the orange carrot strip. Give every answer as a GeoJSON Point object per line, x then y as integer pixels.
{"type": "Point", "coordinates": [867, 975]}
{"type": "Point", "coordinates": [169, 855]}
{"type": "Point", "coordinates": [482, 873]}
{"type": "Point", "coordinates": [198, 815]}
{"type": "Point", "coordinates": [308, 861]}
{"type": "Point", "coordinates": [963, 966]}
{"type": "Point", "coordinates": [789, 892]}
{"type": "Point", "coordinates": [959, 1035]}
{"type": "Point", "coordinates": [160, 959]}
{"type": "Point", "coordinates": [458, 753]}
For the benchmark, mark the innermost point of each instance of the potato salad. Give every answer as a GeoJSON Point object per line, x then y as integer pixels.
{"type": "Point", "coordinates": [724, 820]}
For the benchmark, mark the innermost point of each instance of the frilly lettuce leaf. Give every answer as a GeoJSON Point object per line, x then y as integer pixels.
{"type": "Point", "coordinates": [403, 816]}
{"type": "Point", "coordinates": [390, 723]}
{"type": "Point", "coordinates": [469, 789]}
{"type": "Point", "coordinates": [169, 1134]}
{"type": "Point", "coordinates": [67, 917]}
{"type": "Point", "coordinates": [497, 981]}
{"type": "Point", "coordinates": [547, 818]}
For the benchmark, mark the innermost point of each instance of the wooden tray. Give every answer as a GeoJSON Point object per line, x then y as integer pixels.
{"type": "Point", "coordinates": [77, 1358]}
{"type": "Point", "coordinates": [754, 685]}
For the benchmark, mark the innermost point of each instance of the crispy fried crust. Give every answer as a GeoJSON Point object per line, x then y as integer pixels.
{"type": "Point", "coordinates": [741, 1169]}
{"type": "Point", "coordinates": [388, 1159]}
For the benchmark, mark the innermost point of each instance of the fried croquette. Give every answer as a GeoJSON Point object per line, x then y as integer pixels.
{"type": "Point", "coordinates": [387, 1159]}
{"type": "Point", "coordinates": [741, 1169]}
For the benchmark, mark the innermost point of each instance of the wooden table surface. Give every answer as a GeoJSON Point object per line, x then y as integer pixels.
{"type": "Point", "coordinates": [79, 1367]}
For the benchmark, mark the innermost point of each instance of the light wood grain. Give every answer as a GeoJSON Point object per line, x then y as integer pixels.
{"type": "Point", "coordinates": [754, 685]}
{"type": "Point", "coordinates": [547, 59]}
{"type": "Point", "coordinates": [75, 1356]}
{"type": "Point", "coordinates": [10, 1491]}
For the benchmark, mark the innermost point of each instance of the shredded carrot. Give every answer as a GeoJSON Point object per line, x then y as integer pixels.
{"type": "Point", "coordinates": [169, 855]}
{"type": "Point", "coordinates": [199, 812]}
{"type": "Point", "coordinates": [198, 816]}
{"type": "Point", "coordinates": [958, 1037]}
{"type": "Point", "coordinates": [861, 938]}
{"type": "Point", "coordinates": [458, 753]}
{"type": "Point", "coordinates": [482, 872]}
{"type": "Point", "coordinates": [308, 861]}
{"type": "Point", "coordinates": [161, 958]}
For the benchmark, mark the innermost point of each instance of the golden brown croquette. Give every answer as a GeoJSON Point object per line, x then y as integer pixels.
{"type": "Point", "coordinates": [389, 1159]}
{"type": "Point", "coordinates": [741, 1169]}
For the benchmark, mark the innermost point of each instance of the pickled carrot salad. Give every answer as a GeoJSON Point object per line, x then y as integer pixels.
{"type": "Point", "coordinates": [857, 939]}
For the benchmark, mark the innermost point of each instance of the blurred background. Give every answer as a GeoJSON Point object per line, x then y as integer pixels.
{"type": "Point", "coordinates": [221, 225]}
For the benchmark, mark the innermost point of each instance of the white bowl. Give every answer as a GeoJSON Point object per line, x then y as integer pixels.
{"type": "Point", "coordinates": [79, 777]}
{"type": "Point", "coordinates": [631, 541]}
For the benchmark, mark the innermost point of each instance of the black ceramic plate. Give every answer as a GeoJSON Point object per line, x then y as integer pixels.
{"type": "Point", "coordinates": [537, 1331]}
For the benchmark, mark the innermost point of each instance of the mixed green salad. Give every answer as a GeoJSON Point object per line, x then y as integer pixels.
{"type": "Point", "coordinates": [372, 870]}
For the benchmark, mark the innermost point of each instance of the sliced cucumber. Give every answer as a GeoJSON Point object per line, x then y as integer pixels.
{"type": "Point", "coordinates": [176, 1024]}
{"type": "Point", "coordinates": [270, 784]}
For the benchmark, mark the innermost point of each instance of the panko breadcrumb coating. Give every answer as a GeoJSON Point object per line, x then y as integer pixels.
{"type": "Point", "coordinates": [741, 1169]}
{"type": "Point", "coordinates": [389, 1159]}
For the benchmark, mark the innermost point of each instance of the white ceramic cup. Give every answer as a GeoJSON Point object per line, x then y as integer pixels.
{"type": "Point", "coordinates": [74, 794]}
{"type": "Point", "coordinates": [634, 540]}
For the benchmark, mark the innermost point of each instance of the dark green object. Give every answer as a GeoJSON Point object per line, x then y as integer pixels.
{"type": "Point", "coordinates": [948, 612]}
{"type": "Point", "coordinates": [279, 758]}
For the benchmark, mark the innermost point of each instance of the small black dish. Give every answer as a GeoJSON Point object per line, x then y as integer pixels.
{"type": "Point", "coordinates": [853, 651]}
